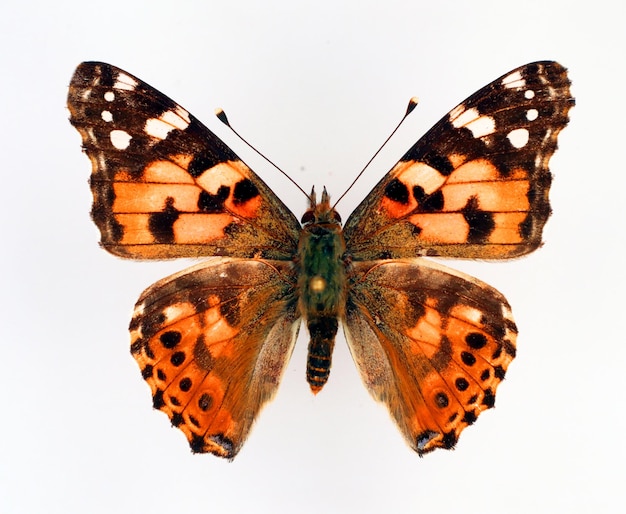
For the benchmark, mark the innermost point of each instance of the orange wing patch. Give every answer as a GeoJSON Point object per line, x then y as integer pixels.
{"type": "Point", "coordinates": [165, 210]}
{"type": "Point", "coordinates": [472, 203]}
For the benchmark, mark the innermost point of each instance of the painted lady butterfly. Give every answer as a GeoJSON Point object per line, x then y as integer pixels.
{"type": "Point", "coordinates": [212, 341]}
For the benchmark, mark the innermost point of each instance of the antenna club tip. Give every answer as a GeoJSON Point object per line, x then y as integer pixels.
{"type": "Point", "coordinates": [412, 105]}
{"type": "Point", "coordinates": [221, 115]}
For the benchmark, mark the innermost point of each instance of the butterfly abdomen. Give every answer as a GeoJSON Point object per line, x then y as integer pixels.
{"type": "Point", "coordinates": [322, 331]}
{"type": "Point", "coordinates": [322, 291]}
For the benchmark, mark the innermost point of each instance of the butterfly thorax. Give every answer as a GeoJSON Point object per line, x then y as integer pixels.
{"type": "Point", "coordinates": [321, 284]}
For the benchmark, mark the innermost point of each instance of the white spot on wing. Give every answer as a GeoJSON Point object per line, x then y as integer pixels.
{"type": "Point", "coordinates": [120, 139]}
{"type": "Point", "coordinates": [518, 137]}
{"type": "Point", "coordinates": [514, 81]}
{"type": "Point", "coordinates": [483, 126]}
{"type": "Point", "coordinates": [473, 315]}
{"type": "Point", "coordinates": [125, 82]}
{"type": "Point", "coordinates": [106, 116]}
{"type": "Point", "coordinates": [157, 128]}
{"type": "Point", "coordinates": [471, 119]}
{"type": "Point", "coordinates": [532, 114]}
{"type": "Point", "coordinates": [172, 312]}
{"type": "Point", "coordinates": [529, 94]}
{"type": "Point", "coordinates": [183, 114]}
{"type": "Point", "coordinates": [109, 96]}
{"type": "Point", "coordinates": [168, 121]}
{"type": "Point", "coordinates": [102, 163]}
{"type": "Point", "coordinates": [506, 313]}
{"type": "Point", "coordinates": [138, 310]}
{"type": "Point", "coordinates": [456, 112]}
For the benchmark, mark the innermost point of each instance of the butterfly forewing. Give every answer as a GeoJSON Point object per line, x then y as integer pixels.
{"type": "Point", "coordinates": [164, 185]}
{"type": "Point", "coordinates": [476, 185]}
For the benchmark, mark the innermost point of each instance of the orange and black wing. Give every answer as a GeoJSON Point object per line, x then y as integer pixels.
{"type": "Point", "coordinates": [212, 342]}
{"type": "Point", "coordinates": [164, 185]}
{"type": "Point", "coordinates": [431, 343]}
{"type": "Point", "coordinates": [476, 185]}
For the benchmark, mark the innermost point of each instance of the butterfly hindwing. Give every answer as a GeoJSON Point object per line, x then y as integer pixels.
{"type": "Point", "coordinates": [164, 185]}
{"type": "Point", "coordinates": [431, 343]}
{"type": "Point", "coordinates": [476, 185]}
{"type": "Point", "coordinates": [212, 342]}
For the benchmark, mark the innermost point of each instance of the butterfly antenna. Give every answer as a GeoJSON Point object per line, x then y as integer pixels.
{"type": "Point", "coordinates": [409, 110]}
{"type": "Point", "coordinates": [221, 115]}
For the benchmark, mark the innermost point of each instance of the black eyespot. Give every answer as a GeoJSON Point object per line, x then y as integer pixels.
{"type": "Point", "coordinates": [441, 400]}
{"type": "Point", "coordinates": [170, 339]}
{"type": "Point", "coordinates": [461, 384]}
{"type": "Point", "coordinates": [476, 340]}
{"type": "Point", "coordinates": [185, 384]}
{"type": "Point", "coordinates": [205, 402]}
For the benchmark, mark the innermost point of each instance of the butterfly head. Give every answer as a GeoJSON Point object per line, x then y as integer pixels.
{"type": "Point", "coordinates": [322, 212]}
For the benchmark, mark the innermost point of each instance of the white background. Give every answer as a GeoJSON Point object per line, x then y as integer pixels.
{"type": "Point", "coordinates": [317, 85]}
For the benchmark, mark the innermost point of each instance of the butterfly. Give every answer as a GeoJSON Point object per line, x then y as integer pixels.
{"type": "Point", "coordinates": [212, 341]}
